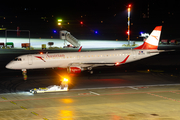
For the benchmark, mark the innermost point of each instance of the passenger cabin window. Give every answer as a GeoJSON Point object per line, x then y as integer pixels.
{"type": "Point", "coordinates": [17, 59]}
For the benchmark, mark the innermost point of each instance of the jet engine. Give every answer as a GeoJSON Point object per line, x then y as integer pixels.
{"type": "Point", "coordinates": [74, 69]}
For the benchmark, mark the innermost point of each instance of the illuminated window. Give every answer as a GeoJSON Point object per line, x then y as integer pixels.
{"type": "Point", "coordinates": [17, 59]}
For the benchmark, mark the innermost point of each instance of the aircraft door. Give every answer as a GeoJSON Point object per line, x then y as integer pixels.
{"type": "Point", "coordinates": [30, 59]}
{"type": "Point", "coordinates": [134, 54]}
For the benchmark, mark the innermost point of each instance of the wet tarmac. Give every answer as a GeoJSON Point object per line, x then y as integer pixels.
{"type": "Point", "coordinates": [153, 102]}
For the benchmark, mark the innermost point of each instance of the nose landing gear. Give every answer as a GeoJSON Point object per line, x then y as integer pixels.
{"type": "Point", "coordinates": [24, 73]}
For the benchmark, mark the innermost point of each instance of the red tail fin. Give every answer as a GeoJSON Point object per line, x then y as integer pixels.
{"type": "Point", "coordinates": [153, 40]}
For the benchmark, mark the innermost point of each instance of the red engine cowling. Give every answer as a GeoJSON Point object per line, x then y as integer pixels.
{"type": "Point", "coordinates": [74, 69]}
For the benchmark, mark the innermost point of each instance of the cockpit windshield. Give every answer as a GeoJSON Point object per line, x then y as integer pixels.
{"type": "Point", "coordinates": [17, 59]}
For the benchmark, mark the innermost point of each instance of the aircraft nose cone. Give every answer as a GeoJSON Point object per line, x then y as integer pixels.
{"type": "Point", "coordinates": [8, 66]}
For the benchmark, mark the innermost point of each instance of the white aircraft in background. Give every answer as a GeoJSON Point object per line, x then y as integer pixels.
{"type": "Point", "coordinates": [79, 61]}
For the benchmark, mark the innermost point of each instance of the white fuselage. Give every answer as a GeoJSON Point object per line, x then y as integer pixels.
{"type": "Point", "coordinates": [63, 60]}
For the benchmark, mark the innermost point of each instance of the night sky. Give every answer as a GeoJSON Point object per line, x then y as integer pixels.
{"type": "Point", "coordinates": [108, 18]}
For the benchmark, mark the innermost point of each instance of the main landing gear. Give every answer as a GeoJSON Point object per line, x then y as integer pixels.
{"type": "Point", "coordinates": [90, 70]}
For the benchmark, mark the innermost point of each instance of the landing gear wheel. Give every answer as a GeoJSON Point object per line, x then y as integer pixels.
{"type": "Point", "coordinates": [91, 72]}
{"type": "Point", "coordinates": [89, 68]}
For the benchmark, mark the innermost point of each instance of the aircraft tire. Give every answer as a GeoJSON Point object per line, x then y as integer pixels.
{"type": "Point", "coordinates": [91, 72]}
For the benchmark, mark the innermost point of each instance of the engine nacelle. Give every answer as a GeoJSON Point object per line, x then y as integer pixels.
{"type": "Point", "coordinates": [74, 69]}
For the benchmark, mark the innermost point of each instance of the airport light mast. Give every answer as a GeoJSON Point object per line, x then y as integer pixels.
{"type": "Point", "coordinates": [128, 32]}
{"type": "Point", "coordinates": [60, 22]}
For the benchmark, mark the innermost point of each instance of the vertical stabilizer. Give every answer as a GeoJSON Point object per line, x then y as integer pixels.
{"type": "Point", "coordinates": [153, 40]}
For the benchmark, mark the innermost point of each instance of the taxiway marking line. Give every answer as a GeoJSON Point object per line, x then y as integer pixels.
{"type": "Point", "coordinates": [4, 98]}
{"type": "Point", "coordinates": [88, 95]}
{"type": "Point", "coordinates": [167, 98]}
{"type": "Point", "coordinates": [93, 93]}
{"type": "Point", "coordinates": [157, 85]}
{"type": "Point", "coordinates": [35, 113]}
{"type": "Point", "coordinates": [45, 119]}
{"type": "Point", "coordinates": [83, 93]}
{"type": "Point", "coordinates": [174, 92]}
{"type": "Point", "coordinates": [23, 108]}
{"type": "Point", "coordinates": [134, 88]}
{"type": "Point", "coordinates": [13, 103]}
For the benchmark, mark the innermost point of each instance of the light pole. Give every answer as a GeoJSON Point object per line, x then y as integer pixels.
{"type": "Point", "coordinates": [128, 32]}
{"type": "Point", "coordinates": [60, 22]}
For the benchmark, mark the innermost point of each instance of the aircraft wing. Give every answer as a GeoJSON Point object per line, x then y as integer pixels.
{"type": "Point", "coordinates": [95, 64]}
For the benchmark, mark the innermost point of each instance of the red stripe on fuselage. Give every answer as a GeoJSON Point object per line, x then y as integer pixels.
{"type": "Point", "coordinates": [40, 58]}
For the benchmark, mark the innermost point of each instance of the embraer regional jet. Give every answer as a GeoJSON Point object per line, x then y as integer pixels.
{"type": "Point", "coordinates": [79, 61]}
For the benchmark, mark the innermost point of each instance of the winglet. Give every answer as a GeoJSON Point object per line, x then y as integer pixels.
{"type": "Point", "coordinates": [125, 59]}
{"type": "Point", "coordinates": [153, 40]}
{"type": "Point", "coordinates": [80, 49]}
{"type": "Point", "coordinates": [118, 63]}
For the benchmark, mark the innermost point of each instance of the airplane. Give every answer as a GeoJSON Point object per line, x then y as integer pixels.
{"type": "Point", "coordinates": [79, 61]}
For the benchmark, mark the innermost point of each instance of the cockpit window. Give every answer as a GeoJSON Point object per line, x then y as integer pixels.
{"type": "Point", "coordinates": [17, 59]}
